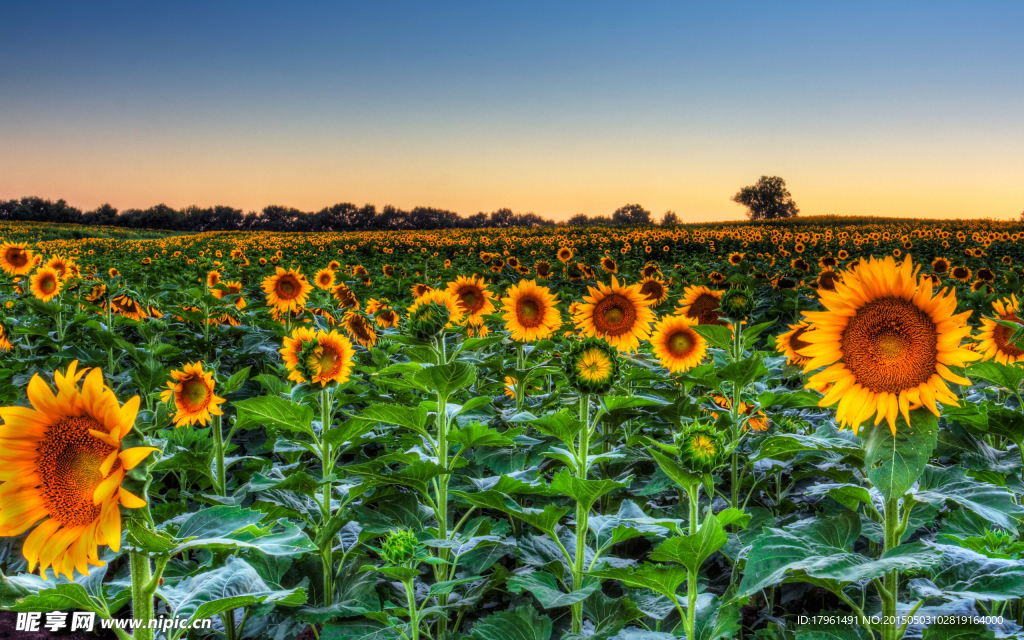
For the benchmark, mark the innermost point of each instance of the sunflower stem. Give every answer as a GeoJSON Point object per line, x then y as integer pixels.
{"type": "Point", "coordinates": [219, 481]}
{"type": "Point", "coordinates": [582, 514]}
{"type": "Point", "coordinates": [693, 492]}
{"type": "Point", "coordinates": [142, 597]}
{"type": "Point", "coordinates": [327, 551]}
{"type": "Point", "coordinates": [891, 582]}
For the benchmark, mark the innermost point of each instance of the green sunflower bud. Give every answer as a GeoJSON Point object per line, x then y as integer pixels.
{"type": "Point", "coordinates": [592, 366]}
{"type": "Point", "coordinates": [399, 547]}
{"type": "Point", "coordinates": [428, 320]}
{"type": "Point", "coordinates": [738, 302]}
{"type": "Point", "coordinates": [702, 448]}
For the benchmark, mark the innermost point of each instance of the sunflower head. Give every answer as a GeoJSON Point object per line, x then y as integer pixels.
{"type": "Point", "coordinates": [474, 298]}
{"type": "Point", "coordinates": [617, 313]}
{"type": "Point", "coordinates": [399, 547]}
{"type": "Point", "coordinates": [738, 302]}
{"type": "Point", "coordinates": [994, 339]}
{"type": "Point", "coordinates": [286, 290]}
{"type": "Point", "coordinates": [317, 357]}
{"type": "Point", "coordinates": [654, 290]}
{"type": "Point", "coordinates": [68, 465]}
{"type": "Point", "coordinates": [702, 447]}
{"type": "Point", "coordinates": [701, 304]}
{"type": "Point", "coordinates": [530, 311]}
{"type": "Point", "coordinates": [677, 346]}
{"type": "Point", "coordinates": [46, 284]}
{"type": "Point", "coordinates": [16, 259]}
{"type": "Point", "coordinates": [591, 366]}
{"type": "Point", "coordinates": [191, 390]}
{"type": "Point", "coordinates": [359, 329]}
{"type": "Point", "coordinates": [324, 278]}
{"type": "Point", "coordinates": [433, 312]}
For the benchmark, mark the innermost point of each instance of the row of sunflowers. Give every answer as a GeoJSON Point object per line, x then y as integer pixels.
{"type": "Point", "coordinates": [779, 431]}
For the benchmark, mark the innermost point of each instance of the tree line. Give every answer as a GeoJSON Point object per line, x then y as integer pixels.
{"type": "Point", "coordinates": [340, 217]}
{"type": "Point", "coordinates": [766, 200]}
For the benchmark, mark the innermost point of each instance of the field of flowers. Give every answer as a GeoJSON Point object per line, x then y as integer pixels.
{"type": "Point", "coordinates": [809, 429]}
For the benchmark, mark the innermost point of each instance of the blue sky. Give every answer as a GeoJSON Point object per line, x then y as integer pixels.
{"type": "Point", "coordinates": [888, 109]}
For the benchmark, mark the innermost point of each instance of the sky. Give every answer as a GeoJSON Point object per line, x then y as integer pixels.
{"type": "Point", "coordinates": [908, 109]}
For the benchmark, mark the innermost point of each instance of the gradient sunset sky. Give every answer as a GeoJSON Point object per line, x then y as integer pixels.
{"type": "Point", "coordinates": [896, 109]}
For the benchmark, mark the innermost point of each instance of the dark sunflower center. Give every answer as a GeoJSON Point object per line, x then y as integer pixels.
{"type": "Point", "coordinates": [286, 287]}
{"type": "Point", "coordinates": [652, 289]}
{"type": "Point", "coordinates": [529, 312]}
{"type": "Point", "coordinates": [470, 300]}
{"type": "Point", "coordinates": [1001, 336]}
{"type": "Point", "coordinates": [68, 463]}
{"type": "Point", "coordinates": [890, 345]}
{"type": "Point", "coordinates": [614, 315]}
{"type": "Point", "coordinates": [705, 309]}
{"type": "Point", "coordinates": [17, 257]}
{"type": "Point", "coordinates": [48, 284]}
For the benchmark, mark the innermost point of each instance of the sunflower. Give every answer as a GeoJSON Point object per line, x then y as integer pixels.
{"type": "Point", "coordinates": [359, 329]}
{"type": "Point", "coordinates": [62, 464]}
{"type": "Point", "coordinates": [887, 343]}
{"type": "Point", "coordinates": [445, 302]}
{"type": "Point", "coordinates": [716, 277]}
{"type": "Point", "coordinates": [474, 298]}
{"type": "Point", "coordinates": [543, 268]}
{"type": "Point", "coordinates": [701, 303]}
{"type": "Point", "coordinates": [191, 389]}
{"type": "Point", "coordinates": [16, 259]}
{"type": "Point", "coordinates": [46, 284]}
{"type": "Point", "coordinates": [5, 342]}
{"type": "Point", "coordinates": [652, 269]}
{"type": "Point", "coordinates": [591, 366]}
{"type": "Point", "coordinates": [212, 279]}
{"type": "Point", "coordinates": [736, 258]}
{"type": "Point", "coordinates": [619, 314]}
{"type": "Point", "coordinates": [123, 305]}
{"type": "Point", "coordinates": [654, 290]}
{"type": "Point", "coordinates": [386, 317]}
{"type": "Point", "coordinates": [986, 274]}
{"type": "Point", "coordinates": [564, 255]}
{"type": "Point", "coordinates": [940, 265]}
{"type": "Point", "coordinates": [510, 387]}
{"type": "Point", "coordinates": [324, 278]}
{"type": "Point", "coordinates": [231, 288]}
{"type": "Point", "coordinates": [677, 345]}
{"type": "Point", "coordinates": [791, 342]}
{"type": "Point", "coordinates": [994, 339]}
{"type": "Point", "coordinates": [346, 299]}
{"type": "Point", "coordinates": [286, 290]}
{"type": "Point", "coordinates": [420, 290]}
{"type": "Point", "coordinates": [389, 270]}
{"type": "Point", "coordinates": [608, 265]}
{"type": "Point", "coordinates": [530, 311]}
{"type": "Point", "coordinates": [318, 357]}
{"type": "Point", "coordinates": [963, 274]}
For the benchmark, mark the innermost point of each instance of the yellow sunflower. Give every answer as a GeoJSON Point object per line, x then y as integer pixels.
{"type": "Point", "coordinates": [702, 304]}
{"type": "Point", "coordinates": [474, 298]}
{"type": "Point", "coordinates": [530, 311]}
{"type": "Point", "coordinates": [16, 259]}
{"type": "Point", "coordinates": [212, 279]}
{"type": "Point", "coordinates": [46, 284]}
{"type": "Point", "coordinates": [618, 314]}
{"type": "Point", "coordinates": [346, 299]}
{"type": "Point", "coordinates": [232, 288]}
{"type": "Point", "coordinates": [654, 290]}
{"type": "Point", "coordinates": [324, 278]}
{"type": "Point", "coordinates": [386, 317]}
{"type": "Point", "coordinates": [123, 305]}
{"type": "Point", "coordinates": [994, 339]}
{"type": "Point", "coordinates": [790, 343]}
{"type": "Point", "coordinates": [286, 290]}
{"type": "Point", "coordinates": [677, 345]}
{"type": "Point", "coordinates": [5, 342]}
{"type": "Point", "coordinates": [359, 329]}
{"type": "Point", "coordinates": [420, 290]}
{"type": "Point", "coordinates": [318, 357]}
{"type": "Point", "coordinates": [564, 254]}
{"type": "Point", "coordinates": [192, 391]}
{"type": "Point", "coordinates": [62, 465]}
{"type": "Point", "coordinates": [887, 343]}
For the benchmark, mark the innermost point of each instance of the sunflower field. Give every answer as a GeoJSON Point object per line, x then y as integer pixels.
{"type": "Point", "coordinates": [801, 430]}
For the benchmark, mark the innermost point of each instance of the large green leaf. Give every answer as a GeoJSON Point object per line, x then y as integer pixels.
{"type": "Point", "coordinates": [523, 623]}
{"type": "Point", "coordinates": [1007, 376]}
{"type": "Point", "coordinates": [584, 492]}
{"type": "Point", "coordinates": [544, 587]}
{"type": "Point", "coordinates": [992, 503]}
{"type": "Point", "coordinates": [445, 379]}
{"type": "Point", "coordinates": [963, 573]}
{"type": "Point", "coordinates": [274, 412]}
{"type": "Point", "coordinates": [692, 550]}
{"type": "Point", "coordinates": [661, 578]}
{"type": "Point", "coordinates": [826, 440]}
{"type": "Point", "coordinates": [562, 425]}
{"type": "Point", "coordinates": [544, 519]}
{"type": "Point", "coordinates": [677, 472]}
{"type": "Point", "coordinates": [413, 418]}
{"type": "Point", "coordinates": [234, 527]}
{"type": "Point", "coordinates": [743, 372]}
{"type": "Point", "coordinates": [819, 548]}
{"type": "Point", "coordinates": [895, 462]}
{"type": "Point", "coordinates": [232, 586]}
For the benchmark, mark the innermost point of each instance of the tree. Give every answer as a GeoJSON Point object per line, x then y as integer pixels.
{"type": "Point", "coordinates": [670, 219]}
{"type": "Point", "coordinates": [578, 220]}
{"type": "Point", "coordinates": [631, 214]}
{"type": "Point", "coordinates": [769, 199]}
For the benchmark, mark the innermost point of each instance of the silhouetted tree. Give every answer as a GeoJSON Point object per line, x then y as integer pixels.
{"type": "Point", "coordinates": [767, 200]}
{"type": "Point", "coordinates": [102, 215]}
{"type": "Point", "coordinates": [631, 214]}
{"type": "Point", "coordinates": [670, 219]}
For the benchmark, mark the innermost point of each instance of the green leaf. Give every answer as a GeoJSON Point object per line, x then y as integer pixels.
{"type": "Point", "coordinates": [562, 425]}
{"type": "Point", "coordinates": [960, 631]}
{"type": "Point", "coordinates": [713, 620]}
{"type": "Point", "coordinates": [233, 527]}
{"type": "Point", "coordinates": [895, 463]}
{"type": "Point", "coordinates": [826, 440]}
{"type": "Point", "coordinates": [679, 474]}
{"type": "Point", "coordinates": [232, 586]}
{"type": "Point", "coordinates": [583, 491]}
{"type": "Point", "coordinates": [445, 379]}
{"type": "Point", "coordinates": [358, 630]}
{"type": "Point", "coordinates": [789, 400]}
{"type": "Point", "coordinates": [717, 336]}
{"type": "Point", "coordinates": [692, 550]}
{"type": "Point", "coordinates": [348, 431]}
{"type": "Point", "coordinates": [1007, 376]}
{"type": "Point", "coordinates": [992, 503]}
{"type": "Point", "coordinates": [274, 412]}
{"type": "Point", "coordinates": [544, 519]}
{"type": "Point", "coordinates": [237, 379]}
{"type": "Point", "coordinates": [140, 536]}
{"type": "Point", "coordinates": [544, 587]}
{"type": "Point", "coordinates": [414, 418]}
{"type": "Point", "coordinates": [661, 578]}
{"type": "Point", "coordinates": [442, 588]}
{"type": "Point", "coordinates": [523, 623]}
{"type": "Point", "coordinates": [480, 435]}
{"type": "Point", "coordinates": [611, 404]}
{"type": "Point", "coordinates": [962, 573]}
{"type": "Point", "coordinates": [61, 597]}
{"type": "Point", "coordinates": [744, 372]}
